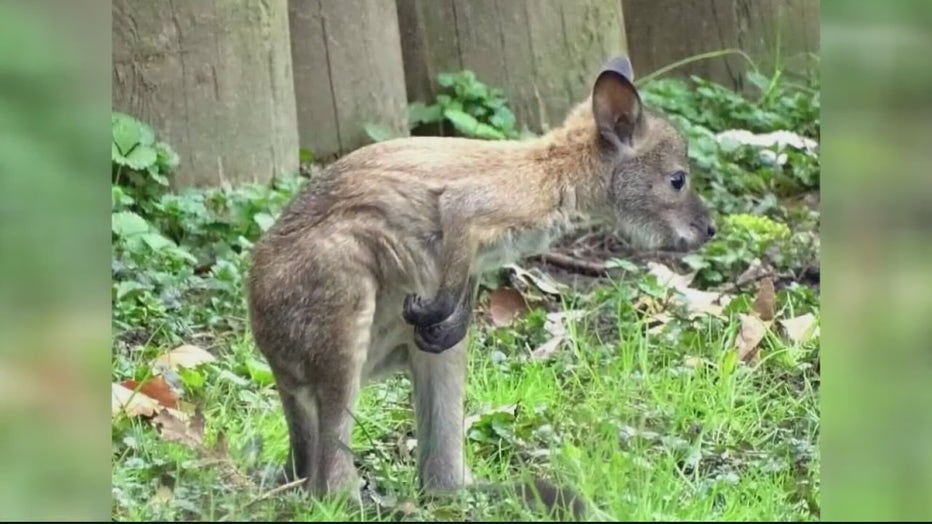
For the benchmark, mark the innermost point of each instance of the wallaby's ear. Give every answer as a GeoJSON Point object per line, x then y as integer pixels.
{"type": "Point", "coordinates": [616, 104]}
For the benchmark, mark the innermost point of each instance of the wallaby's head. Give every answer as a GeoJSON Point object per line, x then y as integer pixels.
{"type": "Point", "coordinates": [649, 188]}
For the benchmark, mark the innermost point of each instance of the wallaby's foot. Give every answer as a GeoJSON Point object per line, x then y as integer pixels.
{"type": "Point", "coordinates": [439, 337]}
{"type": "Point", "coordinates": [421, 311]}
{"type": "Point", "coordinates": [439, 323]}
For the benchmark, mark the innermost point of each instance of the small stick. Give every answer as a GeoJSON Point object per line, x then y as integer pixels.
{"type": "Point", "coordinates": [267, 495]}
{"type": "Point", "coordinates": [575, 264]}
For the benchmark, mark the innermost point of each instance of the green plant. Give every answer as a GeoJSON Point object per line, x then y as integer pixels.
{"type": "Point", "coordinates": [743, 238]}
{"type": "Point", "coordinates": [179, 257]}
{"type": "Point", "coordinates": [471, 107]}
{"type": "Point", "coordinates": [466, 107]}
{"type": "Point", "coordinates": [141, 164]}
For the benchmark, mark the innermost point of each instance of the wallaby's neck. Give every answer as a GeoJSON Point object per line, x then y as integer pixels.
{"type": "Point", "coordinates": [572, 165]}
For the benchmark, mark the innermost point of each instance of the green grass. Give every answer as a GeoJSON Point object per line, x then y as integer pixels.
{"type": "Point", "coordinates": [646, 424]}
{"type": "Point", "coordinates": [647, 427]}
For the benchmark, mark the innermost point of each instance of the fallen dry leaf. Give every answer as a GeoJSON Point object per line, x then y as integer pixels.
{"type": "Point", "coordinates": [132, 403]}
{"type": "Point", "coordinates": [700, 302]}
{"type": "Point", "coordinates": [766, 301]}
{"type": "Point", "coordinates": [174, 429]}
{"type": "Point", "coordinates": [157, 389]}
{"type": "Point", "coordinates": [755, 271]}
{"type": "Point", "coordinates": [407, 508]}
{"type": "Point", "coordinates": [695, 362]}
{"type": "Point", "coordinates": [696, 301]}
{"type": "Point", "coordinates": [175, 426]}
{"type": "Point", "coordinates": [163, 495]}
{"type": "Point", "coordinates": [667, 278]}
{"type": "Point", "coordinates": [538, 279]}
{"type": "Point", "coordinates": [801, 328]}
{"type": "Point", "coordinates": [659, 320]}
{"type": "Point", "coordinates": [752, 332]}
{"type": "Point", "coordinates": [647, 304]}
{"type": "Point", "coordinates": [505, 305]}
{"type": "Point", "coordinates": [547, 349]}
{"type": "Point", "coordinates": [186, 356]}
{"type": "Point", "coordinates": [556, 321]}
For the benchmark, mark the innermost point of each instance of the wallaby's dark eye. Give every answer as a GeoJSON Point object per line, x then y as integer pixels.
{"type": "Point", "coordinates": [677, 180]}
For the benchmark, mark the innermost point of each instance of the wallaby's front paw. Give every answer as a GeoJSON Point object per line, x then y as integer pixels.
{"type": "Point", "coordinates": [441, 336]}
{"type": "Point", "coordinates": [420, 311]}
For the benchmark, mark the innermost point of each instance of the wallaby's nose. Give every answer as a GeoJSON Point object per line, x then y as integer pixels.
{"type": "Point", "coordinates": [710, 230]}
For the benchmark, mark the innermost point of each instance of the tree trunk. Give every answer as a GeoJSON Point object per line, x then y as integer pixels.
{"type": "Point", "coordinates": [543, 53]}
{"type": "Point", "coordinates": [661, 32]}
{"type": "Point", "coordinates": [348, 72]}
{"type": "Point", "coordinates": [213, 77]}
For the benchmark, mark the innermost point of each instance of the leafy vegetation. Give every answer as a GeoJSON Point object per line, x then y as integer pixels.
{"type": "Point", "coordinates": [683, 393]}
{"type": "Point", "coordinates": [465, 107]}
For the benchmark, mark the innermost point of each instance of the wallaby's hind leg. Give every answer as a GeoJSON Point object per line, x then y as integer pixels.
{"type": "Point", "coordinates": [439, 382]}
{"type": "Point", "coordinates": [300, 409]}
{"type": "Point", "coordinates": [342, 346]}
{"type": "Point", "coordinates": [318, 371]}
{"type": "Point", "coordinates": [336, 404]}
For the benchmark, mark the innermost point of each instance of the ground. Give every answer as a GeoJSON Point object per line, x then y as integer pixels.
{"type": "Point", "coordinates": [661, 387]}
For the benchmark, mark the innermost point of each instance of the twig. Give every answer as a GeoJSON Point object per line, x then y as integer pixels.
{"type": "Point", "coordinates": [267, 495]}
{"type": "Point", "coordinates": [574, 264]}
{"type": "Point", "coordinates": [731, 287]}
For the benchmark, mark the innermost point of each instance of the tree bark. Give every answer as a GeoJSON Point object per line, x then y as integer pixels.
{"type": "Point", "coordinates": [543, 53]}
{"type": "Point", "coordinates": [213, 78]}
{"type": "Point", "coordinates": [348, 72]}
{"type": "Point", "coordinates": [661, 32]}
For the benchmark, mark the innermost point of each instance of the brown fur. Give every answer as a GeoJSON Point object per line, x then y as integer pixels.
{"type": "Point", "coordinates": [373, 245]}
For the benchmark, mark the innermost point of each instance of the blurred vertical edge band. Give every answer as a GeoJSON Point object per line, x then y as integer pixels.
{"type": "Point", "coordinates": [54, 240]}
{"type": "Point", "coordinates": [877, 438]}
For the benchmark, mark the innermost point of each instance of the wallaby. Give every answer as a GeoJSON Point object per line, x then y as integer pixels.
{"type": "Point", "coordinates": [373, 267]}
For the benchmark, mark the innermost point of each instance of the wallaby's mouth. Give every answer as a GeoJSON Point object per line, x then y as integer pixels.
{"type": "Point", "coordinates": [666, 234]}
{"type": "Point", "coordinates": [697, 236]}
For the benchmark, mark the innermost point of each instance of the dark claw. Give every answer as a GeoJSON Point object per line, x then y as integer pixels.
{"type": "Point", "coordinates": [419, 311]}
{"type": "Point", "coordinates": [441, 336]}
{"type": "Point", "coordinates": [438, 338]}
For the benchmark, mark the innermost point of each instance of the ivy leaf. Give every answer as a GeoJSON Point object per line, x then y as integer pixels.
{"type": "Point", "coordinates": [129, 132]}
{"type": "Point", "coordinates": [119, 197]}
{"type": "Point", "coordinates": [263, 220]}
{"type": "Point", "coordinates": [167, 156]}
{"type": "Point", "coordinates": [446, 79]}
{"type": "Point", "coordinates": [420, 113]}
{"type": "Point", "coordinates": [157, 241]}
{"type": "Point", "coordinates": [379, 133]}
{"type": "Point", "coordinates": [488, 132]}
{"type": "Point", "coordinates": [260, 372]}
{"type": "Point", "coordinates": [626, 265]}
{"type": "Point", "coordinates": [126, 288]}
{"type": "Point", "coordinates": [126, 132]}
{"type": "Point", "coordinates": [463, 122]}
{"type": "Point", "coordinates": [141, 157]}
{"type": "Point", "coordinates": [127, 223]}
{"type": "Point", "coordinates": [503, 118]}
